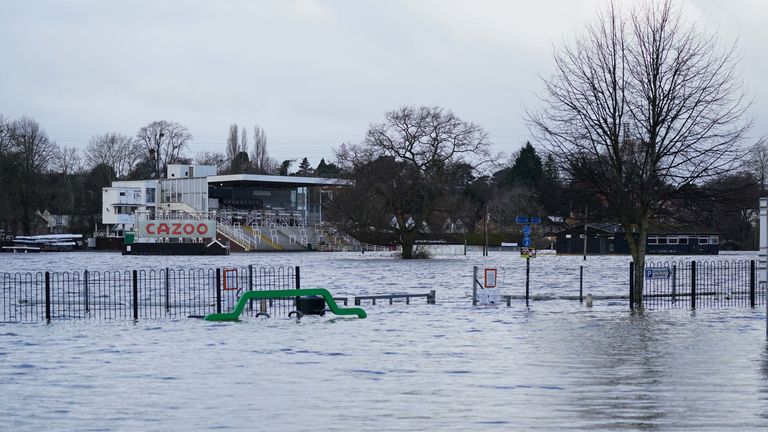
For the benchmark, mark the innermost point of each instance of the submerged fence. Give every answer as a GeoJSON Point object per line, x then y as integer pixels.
{"type": "Point", "coordinates": [701, 284]}
{"type": "Point", "coordinates": [140, 294]}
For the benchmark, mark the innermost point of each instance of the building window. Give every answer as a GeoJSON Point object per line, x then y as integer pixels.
{"type": "Point", "coordinates": [653, 240]}
{"type": "Point", "coordinates": [662, 240]}
{"type": "Point", "coordinates": [683, 240]}
{"type": "Point", "coordinates": [703, 240]}
{"type": "Point", "coordinates": [672, 240]}
{"type": "Point", "coordinates": [122, 193]}
{"type": "Point", "coordinates": [150, 195]}
{"type": "Point", "coordinates": [714, 240]}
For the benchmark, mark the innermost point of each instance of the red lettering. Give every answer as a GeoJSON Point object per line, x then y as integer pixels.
{"type": "Point", "coordinates": [202, 229]}
{"type": "Point", "coordinates": [189, 229]}
{"type": "Point", "coordinates": [163, 229]}
{"type": "Point", "coordinates": [150, 228]}
{"type": "Point", "coordinates": [176, 229]}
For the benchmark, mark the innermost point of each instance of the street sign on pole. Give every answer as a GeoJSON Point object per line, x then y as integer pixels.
{"type": "Point", "coordinates": [535, 220]}
{"type": "Point", "coordinates": [522, 219]}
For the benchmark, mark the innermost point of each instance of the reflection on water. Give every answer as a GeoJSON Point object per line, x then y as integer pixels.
{"type": "Point", "coordinates": [554, 366]}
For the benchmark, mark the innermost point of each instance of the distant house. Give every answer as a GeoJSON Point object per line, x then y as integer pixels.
{"type": "Point", "coordinates": [610, 238]}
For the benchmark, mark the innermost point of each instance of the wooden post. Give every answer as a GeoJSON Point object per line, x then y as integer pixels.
{"type": "Point", "coordinates": [581, 284]}
{"type": "Point", "coordinates": [527, 279]}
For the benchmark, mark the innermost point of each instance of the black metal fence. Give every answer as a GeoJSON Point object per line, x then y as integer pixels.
{"type": "Point", "coordinates": [140, 294]}
{"type": "Point", "coordinates": [701, 284]}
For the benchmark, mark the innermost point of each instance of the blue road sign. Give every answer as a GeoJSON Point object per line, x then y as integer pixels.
{"type": "Point", "coordinates": [526, 230]}
{"type": "Point", "coordinates": [522, 219]}
{"type": "Point", "coordinates": [526, 241]}
{"type": "Point", "coordinates": [535, 220]}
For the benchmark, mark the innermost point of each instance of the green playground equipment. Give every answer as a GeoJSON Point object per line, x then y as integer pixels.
{"type": "Point", "coordinates": [256, 295]}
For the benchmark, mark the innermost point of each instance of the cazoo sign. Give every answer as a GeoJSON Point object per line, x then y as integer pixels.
{"type": "Point", "coordinates": [177, 228]}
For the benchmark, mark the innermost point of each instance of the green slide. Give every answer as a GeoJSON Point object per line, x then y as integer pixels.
{"type": "Point", "coordinates": [255, 295]}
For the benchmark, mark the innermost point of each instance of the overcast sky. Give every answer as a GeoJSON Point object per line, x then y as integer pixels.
{"type": "Point", "coordinates": [312, 73]}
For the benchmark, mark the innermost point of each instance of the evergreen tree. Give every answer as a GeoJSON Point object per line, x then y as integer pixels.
{"type": "Point", "coordinates": [305, 169]}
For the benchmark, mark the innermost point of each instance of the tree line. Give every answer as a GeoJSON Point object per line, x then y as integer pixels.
{"type": "Point", "coordinates": [38, 175]}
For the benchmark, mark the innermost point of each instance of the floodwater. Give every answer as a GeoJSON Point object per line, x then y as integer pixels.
{"type": "Point", "coordinates": [556, 365]}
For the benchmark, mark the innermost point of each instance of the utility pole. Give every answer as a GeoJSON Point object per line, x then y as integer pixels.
{"type": "Point", "coordinates": [586, 215]}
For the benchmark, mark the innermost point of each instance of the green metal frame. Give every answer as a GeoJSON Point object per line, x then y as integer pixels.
{"type": "Point", "coordinates": [255, 295]}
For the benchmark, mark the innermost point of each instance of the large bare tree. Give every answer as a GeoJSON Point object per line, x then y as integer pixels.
{"type": "Point", "coordinates": [121, 152]}
{"type": "Point", "coordinates": [643, 108]}
{"type": "Point", "coordinates": [163, 143]}
{"type": "Point", "coordinates": [34, 152]}
{"type": "Point", "coordinates": [403, 171]}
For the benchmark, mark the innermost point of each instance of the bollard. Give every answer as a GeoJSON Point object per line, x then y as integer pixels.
{"type": "Point", "coordinates": [432, 297]}
{"type": "Point", "coordinates": [581, 283]}
{"type": "Point", "coordinates": [250, 285]}
{"type": "Point", "coordinates": [589, 300]}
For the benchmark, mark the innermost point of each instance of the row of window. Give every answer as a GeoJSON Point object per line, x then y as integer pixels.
{"type": "Point", "coordinates": [673, 240]}
{"type": "Point", "coordinates": [137, 195]}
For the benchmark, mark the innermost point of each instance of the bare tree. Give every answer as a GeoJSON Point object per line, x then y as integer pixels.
{"type": "Point", "coordinates": [643, 108]}
{"type": "Point", "coordinates": [67, 161]}
{"type": "Point", "coordinates": [5, 135]}
{"type": "Point", "coordinates": [217, 159]}
{"type": "Point", "coordinates": [403, 171]}
{"type": "Point", "coordinates": [35, 152]}
{"type": "Point", "coordinates": [758, 162]}
{"type": "Point", "coordinates": [163, 143]}
{"type": "Point", "coordinates": [262, 164]}
{"type": "Point", "coordinates": [121, 152]}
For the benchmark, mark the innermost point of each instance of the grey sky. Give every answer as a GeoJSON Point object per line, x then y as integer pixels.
{"type": "Point", "coordinates": [312, 73]}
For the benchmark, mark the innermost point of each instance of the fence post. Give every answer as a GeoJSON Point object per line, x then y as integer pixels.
{"type": "Point", "coordinates": [250, 285]}
{"type": "Point", "coordinates": [693, 284]}
{"type": "Point", "coordinates": [581, 284]}
{"type": "Point", "coordinates": [218, 290]}
{"type": "Point", "coordinates": [474, 286]}
{"type": "Point", "coordinates": [674, 283]}
{"type": "Point", "coordinates": [48, 296]}
{"type": "Point", "coordinates": [631, 284]}
{"type": "Point", "coordinates": [85, 293]}
{"type": "Point", "coordinates": [431, 298]}
{"type": "Point", "coordinates": [167, 289]}
{"type": "Point", "coordinates": [135, 295]}
{"type": "Point", "coordinates": [527, 278]}
{"type": "Point", "coordinates": [298, 283]}
{"type": "Point", "coordinates": [752, 284]}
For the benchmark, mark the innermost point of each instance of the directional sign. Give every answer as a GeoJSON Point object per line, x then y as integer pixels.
{"type": "Point", "coordinates": [657, 273]}
{"type": "Point", "coordinates": [526, 241]}
{"type": "Point", "coordinates": [535, 220]}
{"type": "Point", "coordinates": [522, 219]}
{"type": "Point", "coordinates": [526, 230]}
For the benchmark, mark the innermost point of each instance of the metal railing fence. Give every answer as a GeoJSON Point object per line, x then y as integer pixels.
{"type": "Point", "coordinates": [140, 294]}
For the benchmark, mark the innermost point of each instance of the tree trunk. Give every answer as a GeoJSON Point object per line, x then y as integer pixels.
{"type": "Point", "coordinates": [407, 250]}
{"type": "Point", "coordinates": [637, 247]}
